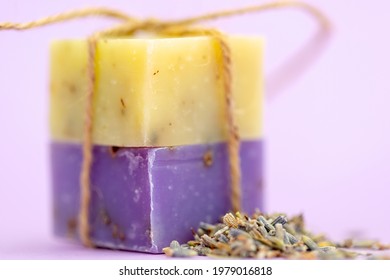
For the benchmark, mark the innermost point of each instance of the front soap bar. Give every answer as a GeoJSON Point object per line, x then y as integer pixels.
{"type": "Point", "coordinates": [143, 198]}
{"type": "Point", "coordinates": [155, 92]}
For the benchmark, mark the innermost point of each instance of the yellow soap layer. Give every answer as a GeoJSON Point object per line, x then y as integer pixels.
{"type": "Point", "coordinates": [155, 92]}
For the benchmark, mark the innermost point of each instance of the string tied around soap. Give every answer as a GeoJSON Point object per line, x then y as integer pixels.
{"type": "Point", "coordinates": [182, 27]}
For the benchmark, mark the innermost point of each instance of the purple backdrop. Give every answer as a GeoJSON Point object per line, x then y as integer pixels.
{"type": "Point", "coordinates": [327, 122]}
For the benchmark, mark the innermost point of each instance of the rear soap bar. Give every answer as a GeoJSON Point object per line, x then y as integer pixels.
{"type": "Point", "coordinates": [143, 198]}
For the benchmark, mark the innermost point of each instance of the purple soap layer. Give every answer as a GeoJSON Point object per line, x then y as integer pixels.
{"type": "Point", "coordinates": [143, 198]}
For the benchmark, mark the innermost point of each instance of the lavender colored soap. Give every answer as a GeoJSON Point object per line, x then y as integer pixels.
{"type": "Point", "coordinates": [143, 198]}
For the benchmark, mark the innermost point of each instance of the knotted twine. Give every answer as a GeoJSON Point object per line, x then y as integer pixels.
{"type": "Point", "coordinates": [183, 27]}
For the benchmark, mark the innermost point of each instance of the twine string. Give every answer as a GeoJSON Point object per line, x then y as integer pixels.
{"type": "Point", "coordinates": [85, 176]}
{"type": "Point", "coordinates": [65, 16]}
{"type": "Point", "coordinates": [182, 27]}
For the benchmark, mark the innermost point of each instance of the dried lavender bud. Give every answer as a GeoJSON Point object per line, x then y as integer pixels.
{"type": "Point", "coordinates": [291, 238]}
{"type": "Point", "coordinates": [272, 232]}
{"type": "Point", "coordinates": [277, 243]}
{"type": "Point", "coordinates": [286, 240]}
{"type": "Point", "coordinates": [230, 220]}
{"type": "Point", "coordinates": [279, 231]}
{"type": "Point", "coordinates": [279, 220]}
{"type": "Point", "coordinates": [263, 231]}
{"type": "Point", "coordinates": [221, 231]}
{"type": "Point", "coordinates": [193, 243]}
{"type": "Point", "coordinates": [309, 243]}
{"type": "Point", "coordinates": [255, 234]}
{"type": "Point", "coordinates": [300, 247]}
{"type": "Point", "coordinates": [240, 217]}
{"type": "Point", "coordinates": [202, 250]}
{"type": "Point", "coordinates": [208, 241]}
{"type": "Point", "coordinates": [326, 249]}
{"type": "Point", "coordinates": [250, 226]}
{"type": "Point", "coordinates": [168, 251]}
{"type": "Point", "coordinates": [236, 232]}
{"type": "Point", "coordinates": [206, 226]}
{"type": "Point", "coordinates": [290, 229]}
{"type": "Point", "coordinates": [222, 238]}
{"type": "Point", "coordinates": [266, 224]}
{"type": "Point", "coordinates": [200, 231]}
{"type": "Point", "coordinates": [184, 253]}
{"type": "Point", "coordinates": [299, 224]}
{"type": "Point", "coordinates": [174, 245]}
{"type": "Point", "coordinates": [364, 244]}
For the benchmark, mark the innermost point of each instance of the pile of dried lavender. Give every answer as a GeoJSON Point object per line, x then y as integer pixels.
{"type": "Point", "coordinates": [265, 236]}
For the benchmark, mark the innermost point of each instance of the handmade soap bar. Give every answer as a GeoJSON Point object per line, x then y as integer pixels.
{"type": "Point", "coordinates": [143, 198]}
{"type": "Point", "coordinates": [160, 161]}
{"type": "Point", "coordinates": [155, 92]}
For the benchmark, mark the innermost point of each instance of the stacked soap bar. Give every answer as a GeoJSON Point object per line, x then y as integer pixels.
{"type": "Point", "coordinates": [160, 159]}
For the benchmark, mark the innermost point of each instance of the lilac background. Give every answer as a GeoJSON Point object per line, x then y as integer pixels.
{"type": "Point", "coordinates": [327, 130]}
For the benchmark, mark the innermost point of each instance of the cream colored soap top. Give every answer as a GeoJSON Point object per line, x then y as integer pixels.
{"type": "Point", "coordinates": [155, 92]}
